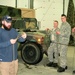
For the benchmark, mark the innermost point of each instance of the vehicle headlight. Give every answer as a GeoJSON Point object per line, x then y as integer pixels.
{"type": "Point", "coordinates": [40, 40]}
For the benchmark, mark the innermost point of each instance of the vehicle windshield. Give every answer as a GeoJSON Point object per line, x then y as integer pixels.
{"type": "Point", "coordinates": [25, 23]}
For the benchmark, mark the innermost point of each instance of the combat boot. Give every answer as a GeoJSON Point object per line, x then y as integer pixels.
{"type": "Point", "coordinates": [55, 65]}
{"type": "Point", "coordinates": [73, 71]}
{"type": "Point", "coordinates": [50, 64]}
{"type": "Point", "coordinates": [61, 69]}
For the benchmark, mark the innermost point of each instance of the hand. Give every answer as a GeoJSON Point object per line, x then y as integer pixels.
{"type": "Point", "coordinates": [73, 30]}
{"type": "Point", "coordinates": [13, 41]}
{"type": "Point", "coordinates": [24, 35]}
{"type": "Point", "coordinates": [58, 32]}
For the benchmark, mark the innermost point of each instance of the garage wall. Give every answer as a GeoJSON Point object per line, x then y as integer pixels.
{"type": "Point", "coordinates": [46, 10]}
{"type": "Point", "coordinates": [49, 10]}
{"type": "Point", "coordinates": [20, 3]}
{"type": "Point", "coordinates": [23, 3]}
{"type": "Point", "coordinates": [7, 2]}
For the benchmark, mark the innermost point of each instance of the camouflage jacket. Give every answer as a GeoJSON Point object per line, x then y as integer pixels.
{"type": "Point", "coordinates": [65, 32]}
{"type": "Point", "coordinates": [54, 37]}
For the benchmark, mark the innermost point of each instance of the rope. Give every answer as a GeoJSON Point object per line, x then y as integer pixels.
{"type": "Point", "coordinates": [59, 43]}
{"type": "Point", "coordinates": [27, 66]}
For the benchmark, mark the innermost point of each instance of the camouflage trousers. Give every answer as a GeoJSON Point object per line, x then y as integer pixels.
{"type": "Point", "coordinates": [63, 55]}
{"type": "Point", "coordinates": [9, 68]}
{"type": "Point", "coordinates": [53, 50]}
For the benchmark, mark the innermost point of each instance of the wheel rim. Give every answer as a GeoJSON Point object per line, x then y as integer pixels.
{"type": "Point", "coordinates": [29, 53]}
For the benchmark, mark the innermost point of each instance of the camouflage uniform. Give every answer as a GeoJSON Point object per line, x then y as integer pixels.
{"type": "Point", "coordinates": [65, 31]}
{"type": "Point", "coordinates": [53, 47]}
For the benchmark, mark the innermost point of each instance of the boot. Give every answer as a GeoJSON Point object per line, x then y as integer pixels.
{"type": "Point", "coordinates": [55, 65]}
{"type": "Point", "coordinates": [61, 69]}
{"type": "Point", "coordinates": [73, 71]}
{"type": "Point", "coordinates": [50, 64]}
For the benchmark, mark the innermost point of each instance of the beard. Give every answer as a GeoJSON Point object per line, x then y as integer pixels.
{"type": "Point", "coordinates": [7, 27]}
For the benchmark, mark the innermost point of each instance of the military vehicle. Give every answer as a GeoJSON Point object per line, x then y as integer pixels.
{"type": "Point", "coordinates": [37, 41]}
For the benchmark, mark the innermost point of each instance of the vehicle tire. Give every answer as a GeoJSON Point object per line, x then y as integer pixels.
{"type": "Point", "coordinates": [31, 54]}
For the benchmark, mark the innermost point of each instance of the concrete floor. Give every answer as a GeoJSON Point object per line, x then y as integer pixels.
{"type": "Point", "coordinates": [41, 69]}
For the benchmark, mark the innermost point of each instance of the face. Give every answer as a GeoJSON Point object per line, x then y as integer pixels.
{"type": "Point", "coordinates": [55, 24]}
{"type": "Point", "coordinates": [6, 25]}
{"type": "Point", "coordinates": [63, 19]}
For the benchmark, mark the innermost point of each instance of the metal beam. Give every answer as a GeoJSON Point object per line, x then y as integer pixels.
{"type": "Point", "coordinates": [63, 6]}
{"type": "Point", "coordinates": [15, 3]}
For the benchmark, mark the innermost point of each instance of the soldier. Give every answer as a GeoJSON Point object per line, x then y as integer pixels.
{"type": "Point", "coordinates": [64, 35]}
{"type": "Point", "coordinates": [52, 50]}
{"type": "Point", "coordinates": [73, 34]}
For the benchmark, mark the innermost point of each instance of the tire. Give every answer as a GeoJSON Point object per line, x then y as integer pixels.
{"type": "Point", "coordinates": [31, 54]}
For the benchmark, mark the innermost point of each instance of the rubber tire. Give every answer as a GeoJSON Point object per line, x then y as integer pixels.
{"type": "Point", "coordinates": [31, 54]}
